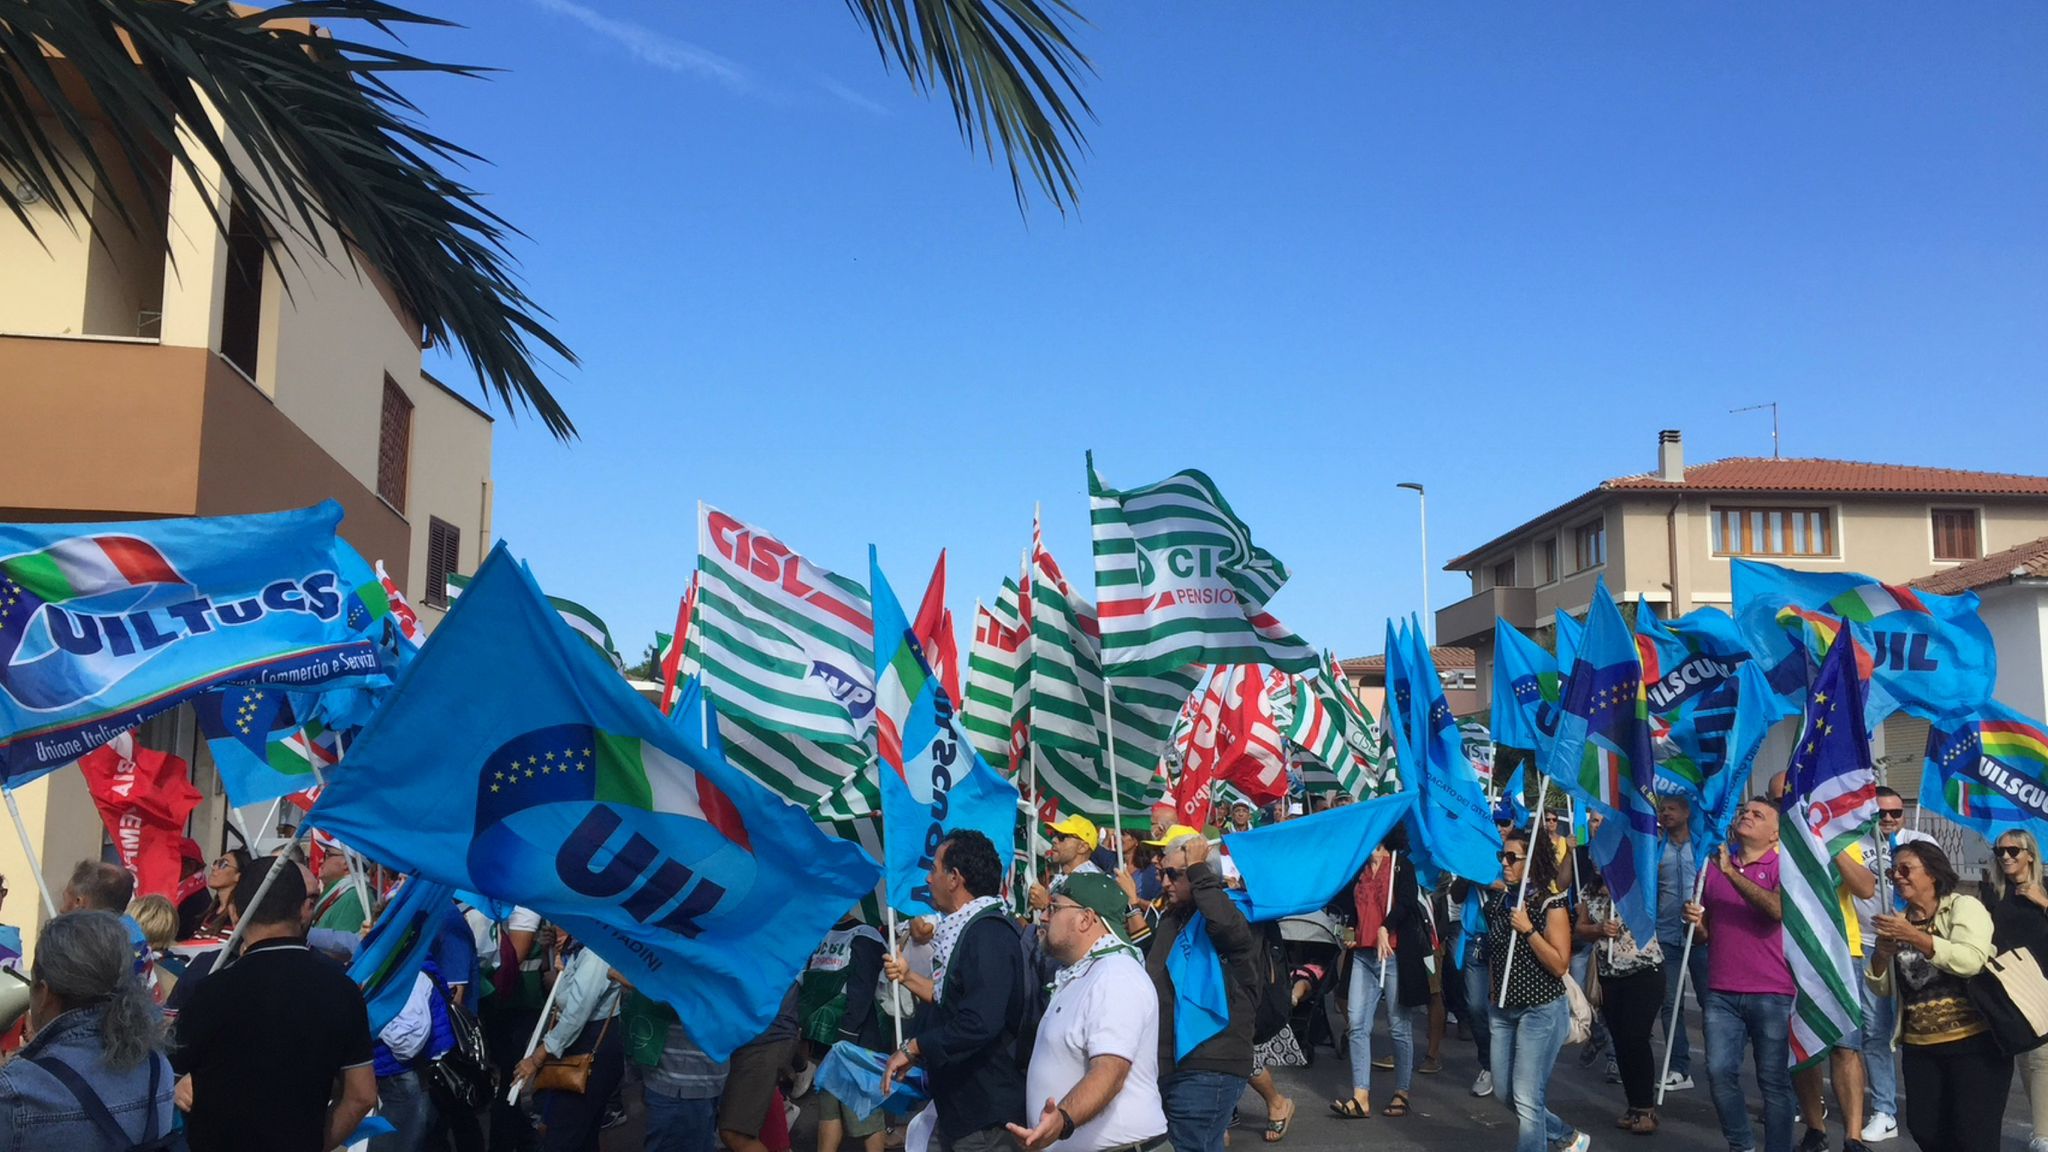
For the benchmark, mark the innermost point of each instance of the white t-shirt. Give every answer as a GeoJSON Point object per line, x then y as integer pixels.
{"type": "Point", "coordinates": [1111, 1009]}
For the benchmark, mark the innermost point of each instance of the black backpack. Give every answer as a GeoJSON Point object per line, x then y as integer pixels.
{"type": "Point", "coordinates": [96, 1109]}
{"type": "Point", "coordinates": [1272, 991]}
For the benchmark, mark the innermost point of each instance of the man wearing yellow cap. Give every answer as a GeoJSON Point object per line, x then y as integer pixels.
{"type": "Point", "coordinates": [1072, 841]}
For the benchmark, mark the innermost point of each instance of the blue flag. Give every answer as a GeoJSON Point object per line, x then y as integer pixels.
{"type": "Point", "coordinates": [1686, 658]}
{"type": "Point", "coordinates": [1201, 1000]}
{"type": "Point", "coordinates": [260, 746]}
{"type": "Point", "coordinates": [1987, 769]}
{"type": "Point", "coordinates": [387, 966]}
{"type": "Point", "coordinates": [104, 625]}
{"type": "Point", "coordinates": [514, 762]}
{"type": "Point", "coordinates": [1602, 757]}
{"type": "Point", "coordinates": [1298, 865]}
{"type": "Point", "coordinates": [1512, 806]}
{"type": "Point", "coordinates": [1726, 780]}
{"type": "Point", "coordinates": [941, 784]}
{"type": "Point", "coordinates": [1570, 634]}
{"type": "Point", "coordinates": [1526, 690]}
{"type": "Point", "coordinates": [1451, 825]}
{"type": "Point", "coordinates": [1917, 650]}
{"type": "Point", "coordinates": [853, 1075]}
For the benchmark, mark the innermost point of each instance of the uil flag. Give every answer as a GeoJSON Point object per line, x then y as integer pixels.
{"type": "Point", "coordinates": [260, 746]}
{"type": "Point", "coordinates": [104, 625]}
{"type": "Point", "coordinates": [515, 763]}
{"type": "Point", "coordinates": [1525, 690]}
{"type": "Point", "coordinates": [932, 782]}
{"type": "Point", "coordinates": [1181, 583]}
{"type": "Point", "coordinates": [1919, 650]}
{"type": "Point", "coordinates": [1987, 768]}
{"type": "Point", "coordinates": [1602, 756]}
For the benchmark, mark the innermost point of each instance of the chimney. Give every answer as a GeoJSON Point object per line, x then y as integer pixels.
{"type": "Point", "coordinates": [1670, 456]}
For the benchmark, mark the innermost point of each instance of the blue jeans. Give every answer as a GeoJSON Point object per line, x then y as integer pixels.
{"type": "Point", "coordinates": [1198, 1107]}
{"type": "Point", "coordinates": [1479, 1003]}
{"type": "Point", "coordinates": [676, 1124]}
{"type": "Point", "coordinates": [402, 1099]}
{"type": "Point", "coordinates": [1363, 1005]}
{"type": "Point", "coordinates": [1525, 1047]}
{"type": "Point", "coordinates": [1674, 1013]}
{"type": "Point", "coordinates": [1880, 1063]}
{"type": "Point", "coordinates": [1764, 1022]}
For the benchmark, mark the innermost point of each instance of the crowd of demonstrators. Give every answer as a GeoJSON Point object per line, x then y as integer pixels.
{"type": "Point", "coordinates": [841, 996]}
{"type": "Point", "coordinates": [1880, 1064]}
{"type": "Point", "coordinates": [1529, 947]}
{"type": "Point", "coordinates": [1955, 1076]}
{"type": "Point", "coordinates": [1749, 998]}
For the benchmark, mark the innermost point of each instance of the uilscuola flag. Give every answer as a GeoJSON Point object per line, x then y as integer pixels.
{"type": "Point", "coordinates": [1987, 769]}
{"type": "Point", "coordinates": [514, 762]}
{"type": "Point", "coordinates": [1685, 658]}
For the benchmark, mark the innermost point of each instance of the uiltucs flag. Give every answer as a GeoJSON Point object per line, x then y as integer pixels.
{"type": "Point", "coordinates": [932, 781]}
{"type": "Point", "coordinates": [104, 625]}
{"type": "Point", "coordinates": [1987, 769]}
{"type": "Point", "coordinates": [1296, 866]}
{"type": "Point", "coordinates": [515, 762]}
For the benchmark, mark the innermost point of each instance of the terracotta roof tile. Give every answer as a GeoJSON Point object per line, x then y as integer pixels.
{"type": "Point", "coordinates": [2027, 561]}
{"type": "Point", "coordinates": [1447, 658]}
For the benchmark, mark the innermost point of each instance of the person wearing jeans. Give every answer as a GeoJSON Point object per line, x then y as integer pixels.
{"type": "Point", "coordinates": [680, 1086]}
{"type": "Point", "coordinates": [1200, 1088]}
{"type": "Point", "coordinates": [1478, 1002]}
{"type": "Point", "coordinates": [1749, 984]}
{"type": "Point", "coordinates": [1393, 936]}
{"type": "Point", "coordinates": [1529, 949]}
{"type": "Point", "coordinates": [1367, 991]}
{"type": "Point", "coordinates": [1677, 872]}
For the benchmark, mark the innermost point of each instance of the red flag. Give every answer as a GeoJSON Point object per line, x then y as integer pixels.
{"type": "Point", "coordinates": [1256, 760]}
{"type": "Point", "coordinates": [672, 662]}
{"type": "Point", "coordinates": [401, 611]}
{"type": "Point", "coordinates": [933, 627]}
{"type": "Point", "coordinates": [144, 796]}
{"type": "Point", "coordinates": [1200, 755]}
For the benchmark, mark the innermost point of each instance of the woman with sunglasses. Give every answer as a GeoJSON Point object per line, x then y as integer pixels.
{"type": "Point", "coordinates": [221, 877]}
{"type": "Point", "coordinates": [1529, 948]}
{"type": "Point", "coordinates": [2020, 920]}
{"type": "Point", "coordinates": [1955, 1076]}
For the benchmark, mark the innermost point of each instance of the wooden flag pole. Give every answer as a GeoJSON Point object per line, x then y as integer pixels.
{"type": "Point", "coordinates": [1522, 895]}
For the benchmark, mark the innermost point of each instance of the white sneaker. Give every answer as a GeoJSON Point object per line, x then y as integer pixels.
{"type": "Point", "coordinates": [1881, 1127]}
{"type": "Point", "coordinates": [1484, 1085]}
{"type": "Point", "coordinates": [1578, 1143]}
{"type": "Point", "coordinates": [1677, 1082]}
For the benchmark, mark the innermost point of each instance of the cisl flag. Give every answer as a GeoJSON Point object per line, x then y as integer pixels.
{"type": "Point", "coordinates": [145, 797]}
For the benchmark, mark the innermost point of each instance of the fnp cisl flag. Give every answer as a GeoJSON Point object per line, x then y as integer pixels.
{"type": "Point", "coordinates": [105, 625]}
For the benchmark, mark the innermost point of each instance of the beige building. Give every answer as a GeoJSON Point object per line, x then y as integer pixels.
{"type": "Point", "coordinates": [168, 369]}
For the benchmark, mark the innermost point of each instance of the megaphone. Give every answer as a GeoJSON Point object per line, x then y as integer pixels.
{"type": "Point", "coordinates": [14, 988]}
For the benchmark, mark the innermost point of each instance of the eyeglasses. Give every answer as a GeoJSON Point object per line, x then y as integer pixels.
{"type": "Point", "coordinates": [1891, 813]}
{"type": "Point", "coordinates": [1902, 872]}
{"type": "Point", "coordinates": [1511, 858]}
{"type": "Point", "coordinates": [1173, 874]}
{"type": "Point", "coordinates": [226, 862]}
{"type": "Point", "coordinates": [1057, 907]}
{"type": "Point", "coordinates": [2005, 852]}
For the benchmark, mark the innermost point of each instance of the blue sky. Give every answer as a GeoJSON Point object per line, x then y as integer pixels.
{"type": "Point", "coordinates": [1320, 248]}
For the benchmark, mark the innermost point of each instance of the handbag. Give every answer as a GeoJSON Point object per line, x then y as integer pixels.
{"type": "Point", "coordinates": [464, 1075]}
{"type": "Point", "coordinates": [2012, 995]}
{"type": "Point", "coordinates": [1581, 1028]}
{"type": "Point", "coordinates": [571, 1073]}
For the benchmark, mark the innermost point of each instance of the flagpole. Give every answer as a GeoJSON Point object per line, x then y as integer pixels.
{"type": "Point", "coordinates": [1678, 999]}
{"type": "Point", "coordinates": [1393, 863]}
{"type": "Point", "coordinates": [1522, 895]}
{"type": "Point", "coordinates": [1030, 733]}
{"type": "Point", "coordinates": [1109, 729]}
{"type": "Point", "coordinates": [540, 1028]}
{"type": "Point", "coordinates": [28, 848]}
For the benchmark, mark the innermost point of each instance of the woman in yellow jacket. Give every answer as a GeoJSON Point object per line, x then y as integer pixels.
{"type": "Point", "coordinates": [1956, 1078]}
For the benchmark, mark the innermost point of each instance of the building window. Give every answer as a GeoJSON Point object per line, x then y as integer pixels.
{"type": "Point", "coordinates": [1546, 560]}
{"type": "Point", "coordinates": [1590, 545]}
{"type": "Point", "coordinates": [444, 559]}
{"type": "Point", "coordinates": [241, 312]}
{"type": "Point", "coordinates": [394, 445]}
{"type": "Point", "coordinates": [1773, 532]}
{"type": "Point", "coordinates": [1504, 573]}
{"type": "Point", "coordinates": [1955, 534]}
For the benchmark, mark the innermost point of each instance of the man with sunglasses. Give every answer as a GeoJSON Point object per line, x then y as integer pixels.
{"type": "Point", "coordinates": [1200, 1089]}
{"type": "Point", "coordinates": [1070, 843]}
{"type": "Point", "coordinates": [1094, 1072]}
{"type": "Point", "coordinates": [1880, 1063]}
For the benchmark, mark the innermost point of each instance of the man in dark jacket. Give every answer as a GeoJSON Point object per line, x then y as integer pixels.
{"type": "Point", "coordinates": [1200, 1091]}
{"type": "Point", "coordinates": [971, 1038]}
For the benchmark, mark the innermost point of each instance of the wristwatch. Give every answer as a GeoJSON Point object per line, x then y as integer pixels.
{"type": "Point", "coordinates": [1066, 1123]}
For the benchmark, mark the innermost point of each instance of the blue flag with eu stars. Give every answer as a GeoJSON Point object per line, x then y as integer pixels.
{"type": "Point", "coordinates": [1602, 756]}
{"type": "Point", "coordinates": [1526, 688]}
{"type": "Point", "coordinates": [1686, 657]}
{"type": "Point", "coordinates": [1451, 825]}
{"type": "Point", "coordinates": [515, 763]}
{"type": "Point", "coordinates": [104, 625]}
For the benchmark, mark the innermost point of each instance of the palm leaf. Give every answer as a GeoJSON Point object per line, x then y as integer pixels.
{"type": "Point", "coordinates": [321, 147]}
{"type": "Point", "coordinates": [1010, 70]}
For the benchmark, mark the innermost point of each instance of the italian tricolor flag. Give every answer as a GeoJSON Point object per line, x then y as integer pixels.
{"type": "Point", "coordinates": [1866, 602]}
{"type": "Point", "coordinates": [85, 565]}
{"type": "Point", "coordinates": [640, 775]}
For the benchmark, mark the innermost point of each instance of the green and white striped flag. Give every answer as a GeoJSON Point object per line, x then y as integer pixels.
{"type": "Point", "coordinates": [995, 680]}
{"type": "Point", "coordinates": [1383, 770]}
{"type": "Point", "coordinates": [1181, 582]}
{"type": "Point", "coordinates": [1064, 705]}
{"type": "Point", "coordinates": [1816, 945]}
{"type": "Point", "coordinates": [786, 651]}
{"type": "Point", "coordinates": [581, 620]}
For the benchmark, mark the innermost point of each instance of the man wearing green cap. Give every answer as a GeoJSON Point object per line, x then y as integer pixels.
{"type": "Point", "coordinates": [1094, 1074]}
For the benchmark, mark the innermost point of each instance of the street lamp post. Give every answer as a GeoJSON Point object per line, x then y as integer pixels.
{"type": "Point", "coordinates": [1422, 504]}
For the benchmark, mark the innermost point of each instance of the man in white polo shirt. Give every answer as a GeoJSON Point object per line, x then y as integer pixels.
{"type": "Point", "coordinates": [1095, 1064]}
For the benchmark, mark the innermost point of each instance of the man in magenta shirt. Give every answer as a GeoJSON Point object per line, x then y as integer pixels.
{"type": "Point", "coordinates": [1749, 985]}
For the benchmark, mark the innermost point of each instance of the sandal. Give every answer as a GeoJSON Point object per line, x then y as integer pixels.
{"type": "Point", "coordinates": [1276, 1126]}
{"type": "Point", "coordinates": [1357, 1106]}
{"type": "Point", "coordinates": [1645, 1122]}
{"type": "Point", "coordinates": [1398, 1106]}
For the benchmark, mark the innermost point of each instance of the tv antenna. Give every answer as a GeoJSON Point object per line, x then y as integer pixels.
{"type": "Point", "coordinates": [1773, 406]}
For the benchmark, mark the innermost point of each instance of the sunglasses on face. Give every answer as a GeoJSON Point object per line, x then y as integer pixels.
{"type": "Point", "coordinates": [1511, 858]}
{"type": "Point", "coordinates": [1902, 872]}
{"type": "Point", "coordinates": [1173, 874]}
{"type": "Point", "coordinates": [1891, 813]}
{"type": "Point", "coordinates": [225, 862]}
{"type": "Point", "coordinates": [2005, 852]}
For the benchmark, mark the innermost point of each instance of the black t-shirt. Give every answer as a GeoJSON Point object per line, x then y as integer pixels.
{"type": "Point", "coordinates": [264, 1041]}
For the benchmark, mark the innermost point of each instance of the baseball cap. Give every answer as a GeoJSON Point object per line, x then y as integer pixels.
{"type": "Point", "coordinates": [1079, 827]}
{"type": "Point", "coordinates": [1102, 895]}
{"type": "Point", "coordinates": [1172, 836]}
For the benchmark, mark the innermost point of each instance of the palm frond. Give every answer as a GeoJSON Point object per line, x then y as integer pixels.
{"type": "Point", "coordinates": [325, 148]}
{"type": "Point", "coordinates": [1010, 70]}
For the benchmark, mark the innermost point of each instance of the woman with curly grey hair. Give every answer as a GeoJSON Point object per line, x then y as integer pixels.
{"type": "Point", "coordinates": [93, 1076]}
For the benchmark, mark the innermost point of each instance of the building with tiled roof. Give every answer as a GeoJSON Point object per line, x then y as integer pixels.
{"type": "Point", "coordinates": [1454, 667]}
{"type": "Point", "coordinates": [1667, 536]}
